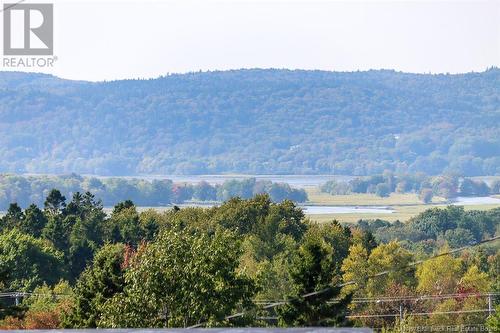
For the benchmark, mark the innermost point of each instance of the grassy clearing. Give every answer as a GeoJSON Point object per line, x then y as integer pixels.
{"type": "Point", "coordinates": [487, 179]}
{"type": "Point", "coordinates": [405, 205]}
{"type": "Point", "coordinates": [401, 213]}
{"type": "Point", "coordinates": [364, 199]}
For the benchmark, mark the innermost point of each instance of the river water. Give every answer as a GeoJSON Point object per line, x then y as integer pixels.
{"type": "Point", "coordinates": [475, 201]}
{"type": "Point", "coordinates": [301, 181]}
{"type": "Point", "coordinates": [316, 210]}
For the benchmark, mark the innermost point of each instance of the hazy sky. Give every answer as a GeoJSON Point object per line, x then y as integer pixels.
{"type": "Point", "coordinates": [98, 40]}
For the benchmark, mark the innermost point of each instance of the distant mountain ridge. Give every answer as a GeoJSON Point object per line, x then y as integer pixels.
{"type": "Point", "coordinates": [260, 121]}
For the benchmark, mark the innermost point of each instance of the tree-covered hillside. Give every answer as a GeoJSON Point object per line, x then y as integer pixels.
{"type": "Point", "coordinates": [252, 121]}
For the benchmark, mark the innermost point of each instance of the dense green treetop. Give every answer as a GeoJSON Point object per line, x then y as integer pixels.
{"type": "Point", "coordinates": [26, 262]}
{"type": "Point", "coordinates": [186, 266]}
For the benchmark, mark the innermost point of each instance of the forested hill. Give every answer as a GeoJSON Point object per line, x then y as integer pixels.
{"type": "Point", "coordinates": [252, 121]}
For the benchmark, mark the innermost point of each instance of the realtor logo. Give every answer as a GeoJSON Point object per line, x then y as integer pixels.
{"type": "Point", "coordinates": [28, 29]}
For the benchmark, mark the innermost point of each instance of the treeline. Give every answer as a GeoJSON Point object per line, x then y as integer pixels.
{"type": "Point", "coordinates": [447, 186]}
{"type": "Point", "coordinates": [435, 227]}
{"type": "Point", "coordinates": [26, 190]}
{"type": "Point", "coordinates": [190, 266]}
{"type": "Point", "coordinates": [252, 122]}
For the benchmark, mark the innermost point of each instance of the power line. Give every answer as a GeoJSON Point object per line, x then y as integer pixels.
{"type": "Point", "coordinates": [383, 299]}
{"type": "Point", "coordinates": [380, 299]}
{"type": "Point", "coordinates": [383, 315]}
{"type": "Point", "coordinates": [17, 294]}
{"type": "Point", "coordinates": [440, 328]}
{"type": "Point", "coordinates": [382, 273]}
{"type": "Point", "coordinates": [420, 298]}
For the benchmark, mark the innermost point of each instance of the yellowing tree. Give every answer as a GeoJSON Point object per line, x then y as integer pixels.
{"type": "Point", "coordinates": [355, 268]}
{"type": "Point", "coordinates": [393, 258]}
{"type": "Point", "coordinates": [439, 276]}
{"type": "Point", "coordinates": [475, 281]}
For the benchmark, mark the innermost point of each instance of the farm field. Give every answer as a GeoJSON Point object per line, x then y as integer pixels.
{"type": "Point", "coordinates": [487, 179]}
{"type": "Point", "coordinates": [401, 213]}
{"type": "Point", "coordinates": [317, 197]}
{"type": "Point", "coordinates": [405, 206]}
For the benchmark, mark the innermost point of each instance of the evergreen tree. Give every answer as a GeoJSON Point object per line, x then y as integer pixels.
{"type": "Point", "coordinates": [98, 283]}
{"type": "Point", "coordinates": [13, 218]}
{"type": "Point", "coordinates": [34, 221]}
{"type": "Point", "coordinates": [314, 269]}
{"type": "Point", "coordinates": [55, 202]}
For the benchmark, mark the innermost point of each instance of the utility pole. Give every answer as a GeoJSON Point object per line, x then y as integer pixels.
{"type": "Point", "coordinates": [401, 328]}
{"type": "Point", "coordinates": [490, 305]}
{"type": "Point", "coordinates": [166, 315]}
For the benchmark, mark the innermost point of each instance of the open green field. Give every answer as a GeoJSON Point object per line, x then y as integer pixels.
{"type": "Point", "coordinates": [487, 179]}
{"type": "Point", "coordinates": [402, 213]}
{"type": "Point", "coordinates": [316, 197]}
{"type": "Point", "coordinates": [405, 206]}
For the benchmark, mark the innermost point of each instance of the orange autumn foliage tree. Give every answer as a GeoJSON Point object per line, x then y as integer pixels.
{"type": "Point", "coordinates": [46, 308]}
